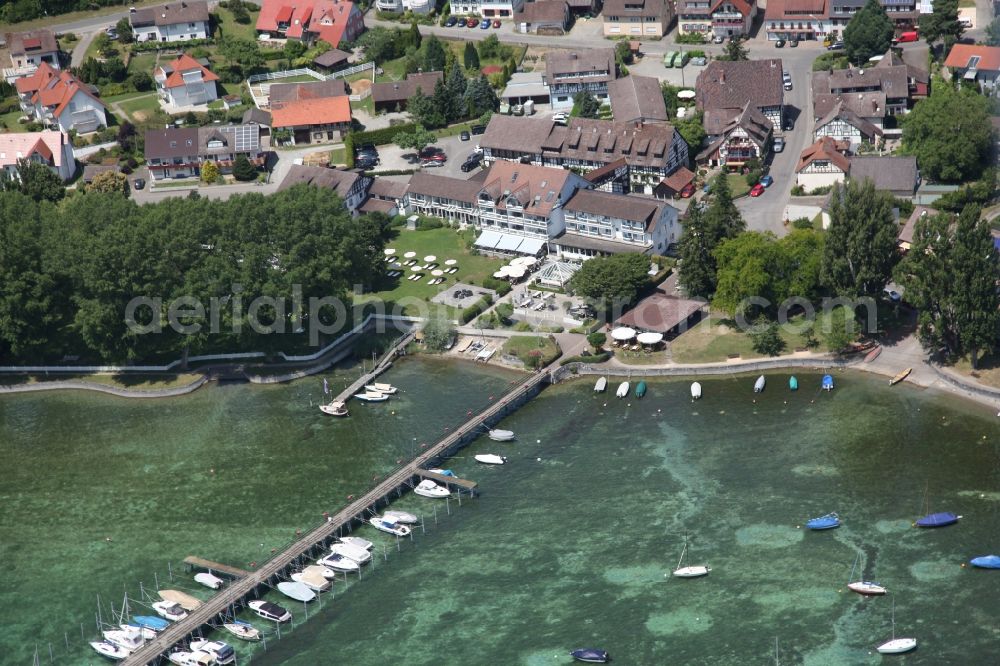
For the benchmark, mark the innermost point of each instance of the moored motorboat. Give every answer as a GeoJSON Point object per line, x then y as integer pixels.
{"type": "Point", "coordinates": [313, 580]}
{"type": "Point", "coordinates": [222, 652]}
{"type": "Point", "coordinates": [390, 525]}
{"type": "Point", "coordinates": [242, 630]}
{"type": "Point", "coordinates": [900, 377]}
{"type": "Point", "coordinates": [695, 390]}
{"type": "Point", "coordinates": [334, 408]}
{"type": "Point", "coordinates": [498, 435]}
{"type": "Point", "coordinates": [827, 522]}
{"type": "Point", "coordinates": [370, 396]}
{"type": "Point", "coordinates": [388, 389]}
{"type": "Point", "coordinates": [758, 385]}
{"type": "Point", "coordinates": [181, 658]}
{"type": "Point", "coordinates": [793, 383]}
{"type": "Point", "coordinates": [640, 389]}
{"type": "Point", "coordinates": [590, 655]}
{"type": "Point", "coordinates": [127, 636]}
{"type": "Point", "coordinates": [443, 472]}
{"type": "Point", "coordinates": [182, 599]}
{"type": "Point", "coordinates": [350, 551]}
{"type": "Point", "coordinates": [269, 611]}
{"type": "Point", "coordinates": [601, 385]}
{"type": "Point", "coordinates": [169, 610]}
{"type": "Point", "coordinates": [296, 590]}
{"type": "Point", "coordinates": [490, 459]}
{"type": "Point", "coordinates": [428, 488]}
{"type": "Point", "coordinates": [209, 580]}
{"type": "Point", "coordinates": [827, 384]}
{"type": "Point", "coordinates": [622, 390]}
{"type": "Point", "coordinates": [404, 517]}
{"type": "Point", "coordinates": [359, 541]}
{"type": "Point", "coordinates": [986, 562]}
{"type": "Point", "coordinates": [866, 588]}
{"type": "Point", "coordinates": [941, 519]}
{"type": "Point", "coordinates": [147, 633]}
{"type": "Point", "coordinates": [110, 650]}
{"type": "Point", "coordinates": [150, 622]}
{"type": "Point", "coordinates": [320, 570]}
{"type": "Point", "coordinates": [339, 562]}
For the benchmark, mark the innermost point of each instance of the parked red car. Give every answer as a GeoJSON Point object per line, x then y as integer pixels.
{"type": "Point", "coordinates": [757, 190]}
{"type": "Point", "coordinates": [687, 191]}
{"type": "Point", "coordinates": [496, 23]}
{"type": "Point", "coordinates": [472, 22]}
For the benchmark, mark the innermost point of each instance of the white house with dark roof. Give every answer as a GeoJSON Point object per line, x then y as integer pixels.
{"type": "Point", "coordinates": [600, 223]}
{"type": "Point", "coordinates": [173, 22]}
{"type": "Point", "coordinates": [568, 72]}
{"type": "Point", "coordinates": [732, 85]}
{"type": "Point", "coordinates": [822, 164]}
{"type": "Point", "coordinates": [846, 126]}
{"type": "Point", "coordinates": [30, 49]}
{"type": "Point", "coordinates": [734, 140]}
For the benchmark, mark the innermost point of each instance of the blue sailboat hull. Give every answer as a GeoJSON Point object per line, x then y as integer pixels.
{"type": "Point", "coordinates": [793, 383]}
{"type": "Point", "coordinates": [640, 390]}
{"type": "Point", "coordinates": [986, 562]}
{"type": "Point", "coordinates": [827, 522]}
{"type": "Point", "coordinates": [150, 622]}
{"type": "Point", "coordinates": [590, 655]}
{"type": "Point", "coordinates": [827, 383]}
{"type": "Point", "coordinates": [938, 519]}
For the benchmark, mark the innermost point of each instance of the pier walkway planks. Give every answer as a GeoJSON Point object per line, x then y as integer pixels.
{"type": "Point", "coordinates": [238, 592]}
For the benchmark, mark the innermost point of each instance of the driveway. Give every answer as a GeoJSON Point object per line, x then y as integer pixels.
{"type": "Point", "coordinates": [394, 158]}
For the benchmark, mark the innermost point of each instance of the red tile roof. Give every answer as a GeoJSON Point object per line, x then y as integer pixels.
{"type": "Point", "coordinates": [326, 18]}
{"type": "Point", "coordinates": [989, 57]}
{"type": "Point", "coordinates": [324, 111]}
{"type": "Point", "coordinates": [824, 149]}
{"type": "Point", "coordinates": [178, 67]}
{"type": "Point", "coordinates": [15, 145]}
{"type": "Point", "coordinates": [53, 88]}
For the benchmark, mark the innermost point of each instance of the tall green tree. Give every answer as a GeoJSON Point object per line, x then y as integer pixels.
{"type": "Point", "coordinates": [735, 50]}
{"type": "Point", "coordinates": [950, 133]}
{"type": "Point", "coordinates": [35, 180]}
{"type": "Point", "coordinates": [425, 110]}
{"type": "Point", "coordinates": [418, 138]}
{"type": "Point", "coordinates": [860, 249]}
{"type": "Point", "coordinates": [480, 98]}
{"type": "Point", "coordinates": [976, 302]}
{"type": "Point", "coordinates": [124, 30]}
{"type": "Point", "coordinates": [722, 218]}
{"type": "Point", "coordinates": [243, 170]}
{"type": "Point", "coordinates": [993, 33]}
{"type": "Point", "coordinates": [749, 267]}
{"type": "Point", "coordinates": [413, 37]}
{"type": "Point", "coordinates": [613, 280]}
{"type": "Point", "coordinates": [241, 53]}
{"type": "Point", "coordinates": [868, 33]}
{"type": "Point", "coordinates": [470, 57]}
{"type": "Point", "coordinates": [585, 105]}
{"type": "Point", "coordinates": [942, 23]}
{"type": "Point", "coordinates": [456, 85]}
{"type": "Point", "coordinates": [697, 270]}
{"type": "Point", "coordinates": [433, 54]}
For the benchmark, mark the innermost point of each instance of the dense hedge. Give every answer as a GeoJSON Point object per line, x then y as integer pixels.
{"type": "Point", "coordinates": [349, 150]}
{"type": "Point", "coordinates": [139, 47]}
{"type": "Point", "coordinates": [598, 358]}
{"type": "Point", "coordinates": [382, 136]}
{"type": "Point", "coordinates": [502, 287]}
{"type": "Point", "coordinates": [474, 310]}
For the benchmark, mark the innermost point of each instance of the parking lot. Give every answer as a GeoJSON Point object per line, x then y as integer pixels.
{"type": "Point", "coordinates": [394, 158]}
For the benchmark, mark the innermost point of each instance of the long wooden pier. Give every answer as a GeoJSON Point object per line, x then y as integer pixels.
{"type": "Point", "coordinates": [196, 562]}
{"type": "Point", "coordinates": [241, 590]}
{"type": "Point", "coordinates": [383, 364]}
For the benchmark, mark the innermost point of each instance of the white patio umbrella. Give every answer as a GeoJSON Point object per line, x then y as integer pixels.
{"type": "Point", "coordinates": [623, 333]}
{"type": "Point", "coordinates": [429, 258]}
{"type": "Point", "coordinates": [416, 269]}
{"type": "Point", "coordinates": [503, 272]}
{"type": "Point", "coordinates": [409, 255]}
{"type": "Point", "coordinates": [451, 262]}
{"type": "Point", "coordinates": [437, 273]}
{"type": "Point", "coordinates": [649, 338]}
{"type": "Point", "coordinates": [389, 251]}
{"type": "Point", "coordinates": [520, 261]}
{"type": "Point", "coordinates": [516, 271]}
{"type": "Point", "coordinates": [685, 94]}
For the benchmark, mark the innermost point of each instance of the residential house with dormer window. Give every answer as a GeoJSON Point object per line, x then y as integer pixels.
{"type": "Point", "coordinates": [797, 19]}
{"type": "Point", "coordinates": [637, 19]}
{"type": "Point", "coordinates": [57, 98]}
{"type": "Point", "coordinates": [845, 125]}
{"type": "Point", "coordinates": [30, 49]}
{"type": "Point", "coordinates": [716, 18]}
{"type": "Point", "coordinates": [173, 22]}
{"type": "Point", "coordinates": [185, 82]}
{"type": "Point", "coordinates": [179, 152]}
{"type": "Point", "coordinates": [601, 223]}
{"type": "Point", "coordinates": [51, 148]}
{"type": "Point", "coordinates": [570, 72]}
{"type": "Point", "coordinates": [975, 62]}
{"type": "Point", "coordinates": [729, 87]}
{"type": "Point", "coordinates": [310, 21]}
{"type": "Point", "coordinates": [734, 140]}
{"type": "Point", "coordinates": [822, 164]}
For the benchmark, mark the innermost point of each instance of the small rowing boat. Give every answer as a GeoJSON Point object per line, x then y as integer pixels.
{"type": "Point", "coordinates": [335, 408]}
{"type": "Point", "coordinates": [388, 389]}
{"type": "Point", "coordinates": [827, 382]}
{"type": "Point", "coordinates": [622, 390]}
{"type": "Point", "coordinates": [640, 389]}
{"type": "Point", "coordinates": [873, 354]}
{"type": "Point", "coordinates": [498, 435]}
{"type": "Point", "coordinates": [602, 383]}
{"type": "Point", "coordinates": [758, 386]}
{"type": "Point", "coordinates": [827, 522]}
{"type": "Point", "coordinates": [793, 383]}
{"type": "Point", "coordinates": [900, 377]}
{"type": "Point", "coordinates": [695, 391]}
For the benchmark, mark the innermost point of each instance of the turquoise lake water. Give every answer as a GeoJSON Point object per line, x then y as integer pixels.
{"type": "Point", "coordinates": [568, 545]}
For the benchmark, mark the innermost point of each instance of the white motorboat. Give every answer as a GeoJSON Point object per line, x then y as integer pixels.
{"type": "Point", "coordinates": [242, 630]}
{"type": "Point", "coordinates": [334, 408]}
{"type": "Point", "coordinates": [601, 385]}
{"type": "Point", "coordinates": [314, 581]}
{"type": "Point", "coordinates": [269, 611]}
{"type": "Point", "coordinates": [758, 386]}
{"type": "Point", "coordinates": [181, 658]}
{"type": "Point", "coordinates": [695, 391]}
{"type": "Point", "coordinates": [194, 658]}
{"type": "Point", "coordinates": [622, 390]}
{"type": "Point", "coordinates": [169, 610]}
{"type": "Point", "coordinates": [376, 387]}
{"type": "Point", "coordinates": [896, 645]}
{"type": "Point", "coordinates": [502, 435]}
{"type": "Point", "coordinates": [356, 553]}
{"type": "Point", "coordinates": [319, 570]}
{"type": "Point", "coordinates": [357, 541]}
{"type": "Point", "coordinates": [223, 653]}
{"type": "Point", "coordinates": [182, 599]}
{"type": "Point", "coordinates": [110, 650]}
{"type": "Point", "coordinates": [390, 525]}
{"type": "Point", "coordinates": [338, 562]}
{"type": "Point", "coordinates": [146, 633]}
{"type": "Point", "coordinates": [209, 580]}
{"type": "Point", "coordinates": [866, 588]}
{"type": "Point", "coordinates": [296, 590]}
{"type": "Point", "coordinates": [691, 571]}
{"type": "Point", "coordinates": [428, 488]}
{"type": "Point", "coordinates": [490, 459]}
{"type": "Point", "coordinates": [404, 517]}
{"type": "Point", "coordinates": [127, 637]}
{"type": "Point", "coordinates": [371, 396]}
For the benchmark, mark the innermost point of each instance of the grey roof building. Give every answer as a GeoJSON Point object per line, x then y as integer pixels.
{"type": "Point", "coordinates": [898, 175]}
{"type": "Point", "coordinates": [637, 98]}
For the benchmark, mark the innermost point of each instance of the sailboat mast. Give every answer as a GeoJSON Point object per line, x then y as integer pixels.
{"type": "Point", "coordinates": [682, 554]}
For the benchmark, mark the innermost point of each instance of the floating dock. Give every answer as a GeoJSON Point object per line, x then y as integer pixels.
{"type": "Point", "coordinates": [384, 364]}
{"type": "Point", "coordinates": [195, 562]}
{"type": "Point", "coordinates": [244, 589]}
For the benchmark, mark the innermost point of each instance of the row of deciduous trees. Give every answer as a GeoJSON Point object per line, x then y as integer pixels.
{"type": "Point", "coordinates": [68, 270]}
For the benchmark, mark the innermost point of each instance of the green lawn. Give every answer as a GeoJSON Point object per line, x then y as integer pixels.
{"type": "Point", "coordinates": [148, 104]}
{"type": "Point", "coordinates": [300, 78]}
{"type": "Point", "coordinates": [135, 382]}
{"type": "Point", "coordinates": [338, 156]}
{"type": "Point", "coordinates": [715, 339]}
{"type": "Point", "coordinates": [142, 62]}
{"type": "Point", "coordinates": [231, 88]}
{"type": "Point", "coordinates": [8, 122]}
{"type": "Point", "coordinates": [444, 244]}
{"type": "Point", "coordinates": [392, 70]}
{"type": "Point", "coordinates": [227, 27]}
{"type": "Point", "coordinates": [366, 104]}
{"type": "Point", "coordinates": [738, 184]}
{"type": "Point", "coordinates": [526, 347]}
